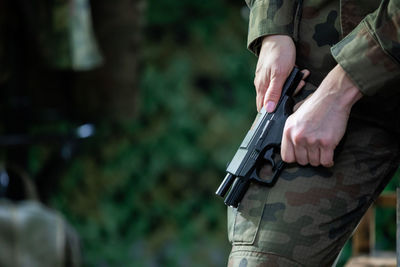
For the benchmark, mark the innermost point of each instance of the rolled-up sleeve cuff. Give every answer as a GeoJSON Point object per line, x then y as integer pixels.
{"type": "Point", "coordinates": [267, 17]}
{"type": "Point", "coordinates": [368, 65]}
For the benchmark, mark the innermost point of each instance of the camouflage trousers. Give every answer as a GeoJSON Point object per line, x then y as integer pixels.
{"type": "Point", "coordinates": [307, 217]}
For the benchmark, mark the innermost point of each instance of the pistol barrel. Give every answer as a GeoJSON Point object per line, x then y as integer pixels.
{"type": "Point", "coordinates": [237, 192]}
{"type": "Point", "coordinates": [224, 186]}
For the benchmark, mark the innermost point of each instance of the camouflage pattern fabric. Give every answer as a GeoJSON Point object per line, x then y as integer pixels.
{"type": "Point", "coordinates": [362, 36]}
{"type": "Point", "coordinates": [305, 219]}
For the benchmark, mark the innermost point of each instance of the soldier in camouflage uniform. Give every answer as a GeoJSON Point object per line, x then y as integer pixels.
{"type": "Point", "coordinates": [351, 50]}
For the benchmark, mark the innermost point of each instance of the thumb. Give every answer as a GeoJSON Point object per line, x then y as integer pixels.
{"type": "Point", "coordinates": [273, 93]}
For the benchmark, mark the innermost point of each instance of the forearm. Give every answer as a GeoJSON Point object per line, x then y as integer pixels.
{"type": "Point", "coordinates": [339, 89]}
{"type": "Point", "coordinates": [312, 133]}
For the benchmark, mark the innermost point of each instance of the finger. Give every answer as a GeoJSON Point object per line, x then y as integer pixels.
{"type": "Point", "coordinates": [306, 73]}
{"type": "Point", "coordinates": [313, 154]}
{"type": "Point", "coordinates": [259, 101]}
{"type": "Point", "coordinates": [326, 157]}
{"type": "Point", "coordinates": [287, 150]}
{"type": "Point", "coordinates": [261, 84]}
{"type": "Point", "coordinates": [273, 93]}
{"type": "Point", "coordinates": [259, 96]}
{"type": "Point", "coordinates": [301, 155]}
{"type": "Point", "coordinates": [299, 86]}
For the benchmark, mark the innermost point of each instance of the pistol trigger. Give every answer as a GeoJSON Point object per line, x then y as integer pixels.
{"type": "Point", "coordinates": [277, 173]}
{"type": "Point", "coordinates": [268, 157]}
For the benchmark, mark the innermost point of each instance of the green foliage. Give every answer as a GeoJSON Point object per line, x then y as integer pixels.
{"type": "Point", "coordinates": [386, 220]}
{"type": "Point", "coordinates": [141, 193]}
{"type": "Point", "coordinates": [385, 226]}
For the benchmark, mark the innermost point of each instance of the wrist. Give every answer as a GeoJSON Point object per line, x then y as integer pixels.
{"type": "Point", "coordinates": [276, 37]}
{"type": "Point", "coordinates": [340, 88]}
{"type": "Point", "coordinates": [350, 96]}
{"type": "Point", "coordinates": [278, 50]}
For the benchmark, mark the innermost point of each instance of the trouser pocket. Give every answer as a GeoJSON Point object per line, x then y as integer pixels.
{"type": "Point", "coordinates": [244, 221]}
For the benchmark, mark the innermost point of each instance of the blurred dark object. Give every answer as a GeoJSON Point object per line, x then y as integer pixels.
{"type": "Point", "coordinates": [81, 132]}
{"type": "Point", "coordinates": [51, 67]}
{"type": "Point", "coordinates": [30, 233]}
{"type": "Point", "coordinates": [364, 250]}
{"type": "Point", "coordinates": [15, 184]}
{"type": "Point", "coordinates": [111, 91]}
{"type": "Point", "coordinates": [52, 70]}
{"type": "Point", "coordinates": [66, 146]}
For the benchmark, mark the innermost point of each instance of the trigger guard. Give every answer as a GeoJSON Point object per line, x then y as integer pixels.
{"type": "Point", "coordinates": [269, 183]}
{"type": "Point", "coordinates": [268, 157]}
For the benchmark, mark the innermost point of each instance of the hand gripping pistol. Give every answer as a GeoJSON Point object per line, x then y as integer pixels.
{"type": "Point", "coordinates": [260, 146]}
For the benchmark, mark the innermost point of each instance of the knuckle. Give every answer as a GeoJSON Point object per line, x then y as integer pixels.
{"type": "Point", "coordinates": [311, 140]}
{"type": "Point", "coordinates": [298, 138]}
{"type": "Point", "coordinates": [287, 158]}
{"type": "Point", "coordinates": [278, 72]}
{"type": "Point", "coordinates": [260, 87]}
{"type": "Point", "coordinates": [257, 82]}
{"type": "Point", "coordinates": [273, 94]}
{"type": "Point", "coordinates": [327, 142]}
{"type": "Point", "coordinates": [287, 132]}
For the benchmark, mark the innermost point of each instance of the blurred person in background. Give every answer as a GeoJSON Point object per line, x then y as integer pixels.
{"type": "Point", "coordinates": [350, 49]}
{"type": "Point", "coordinates": [53, 72]}
{"type": "Point", "coordinates": [37, 39]}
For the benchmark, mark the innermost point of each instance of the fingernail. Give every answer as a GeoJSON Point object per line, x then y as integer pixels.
{"type": "Point", "coordinates": [270, 106]}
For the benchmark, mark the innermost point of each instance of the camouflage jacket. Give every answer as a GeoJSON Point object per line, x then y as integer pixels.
{"type": "Point", "coordinates": [362, 36]}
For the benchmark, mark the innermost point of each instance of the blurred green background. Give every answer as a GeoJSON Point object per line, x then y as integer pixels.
{"type": "Point", "coordinates": [171, 101]}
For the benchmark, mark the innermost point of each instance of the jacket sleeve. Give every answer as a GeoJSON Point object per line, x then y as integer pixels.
{"type": "Point", "coordinates": [370, 54]}
{"type": "Point", "coordinates": [271, 17]}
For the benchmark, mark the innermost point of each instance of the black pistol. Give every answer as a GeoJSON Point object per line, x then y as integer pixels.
{"type": "Point", "coordinates": [261, 145]}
